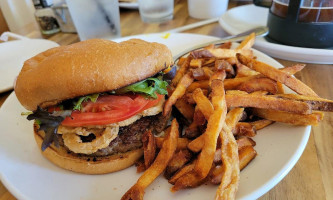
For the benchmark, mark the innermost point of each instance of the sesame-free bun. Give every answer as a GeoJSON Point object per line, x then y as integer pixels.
{"type": "Point", "coordinates": [87, 67]}
{"type": "Point", "coordinates": [87, 164]}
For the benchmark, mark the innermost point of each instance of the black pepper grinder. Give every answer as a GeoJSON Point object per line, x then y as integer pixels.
{"type": "Point", "coordinates": [45, 17]}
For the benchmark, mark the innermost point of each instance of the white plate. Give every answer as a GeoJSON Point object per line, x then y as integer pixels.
{"type": "Point", "coordinates": [129, 5]}
{"type": "Point", "coordinates": [28, 175]}
{"type": "Point", "coordinates": [14, 53]}
{"type": "Point", "coordinates": [243, 18]}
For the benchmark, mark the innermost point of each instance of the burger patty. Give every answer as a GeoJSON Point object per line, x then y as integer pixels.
{"type": "Point", "coordinates": [129, 137]}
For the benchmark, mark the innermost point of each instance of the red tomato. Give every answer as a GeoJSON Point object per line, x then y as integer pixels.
{"type": "Point", "coordinates": [109, 109]}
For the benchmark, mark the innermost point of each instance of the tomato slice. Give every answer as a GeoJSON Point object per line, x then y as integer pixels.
{"type": "Point", "coordinates": [109, 109]}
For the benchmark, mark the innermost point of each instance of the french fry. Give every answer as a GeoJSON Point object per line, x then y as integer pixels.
{"type": "Point", "coordinates": [233, 83]}
{"type": "Point", "coordinates": [226, 45]}
{"type": "Point", "coordinates": [198, 84]}
{"type": "Point", "coordinates": [280, 89]}
{"type": "Point", "coordinates": [277, 75]}
{"type": "Point", "coordinates": [259, 84]}
{"type": "Point", "coordinates": [248, 42]}
{"type": "Point", "coordinates": [164, 156]}
{"type": "Point", "coordinates": [214, 127]}
{"type": "Point", "coordinates": [181, 61]}
{"type": "Point", "coordinates": [246, 155]}
{"type": "Point", "coordinates": [196, 63]}
{"type": "Point", "coordinates": [289, 118]}
{"type": "Point", "coordinates": [178, 161]}
{"type": "Point", "coordinates": [227, 53]}
{"type": "Point", "coordinates": [232, 118]}
{"type": "Point", "coordinates": [260, 124]}
{"type": "Point", "coordinates": [267, 102]}
{"type": "Point", "coordinates": [181, 71]}
{"type": "Point", "coordinates": [193, 130]}
{"type": "Point", "coordinates": [220, 75]}
{"type": "Point", "coordinates": [243, 71]}
{"type": "Point", "coordinates": [230, 166]}
{"type": "Point", "coordinates": [209, 62]}
{"type": "Point", "coordinates": [186, 169]}
{"type": "Point", "coordinates": [185, 109]}
{"type": "Point", "coordinates": [316, 103]}
{"type": "Point", "coordinates": [181, 142]}
{"type": "Point", "coordinates": [245, 129]}
{"type": "Point", "coordinates": [293, 69]}
{"type": "Point", "coordinates": [244, 141]}
{"type": "Point", "coordinates": [149, 148]}
{"type": "Point", "coordinates": [204, 105]}
{"type": "Point", "coordinates": [185, 81]}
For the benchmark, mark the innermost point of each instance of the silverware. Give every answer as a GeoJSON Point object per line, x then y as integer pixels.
{"type": "Point", "coordinates": [259, 31]}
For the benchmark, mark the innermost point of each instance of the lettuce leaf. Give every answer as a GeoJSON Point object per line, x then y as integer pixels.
{"type": "Point", "coordinates": [78, 104]}
{"type": "Point", "coordinates": [149, 87]}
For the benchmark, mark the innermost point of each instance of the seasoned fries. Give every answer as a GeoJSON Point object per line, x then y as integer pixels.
{"type": "Point", "coordinates": [164, 156]}
{"type": "Point", "coordinates": [224, 96]}
{"type": "Point", "coordinates": [277, 75]}
{"type": "Point", "coordinates": [185, 81]}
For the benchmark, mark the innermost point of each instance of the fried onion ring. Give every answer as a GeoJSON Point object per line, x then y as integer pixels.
{"type": "Point", "coordinates": [75, 144]}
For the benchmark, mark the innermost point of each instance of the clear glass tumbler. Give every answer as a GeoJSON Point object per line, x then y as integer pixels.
{"type": "Point", "coordinates": [156, 11]}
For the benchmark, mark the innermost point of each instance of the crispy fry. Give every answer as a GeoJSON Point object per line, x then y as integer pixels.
{"type": "Point", "coordinates": [186, 169]}
{"type": "Point", "coordinates": [230, 176]}
{"type": "Point", "coordinates": [193, 130]}
{"type": "Point", "coordinates": [226, 45]}
{"type": "Point", "coordinates": [203, 103]}
{"type": "Point", "coordinates": [209, 62]}
{"type": "Point", "coordinates": [227, 53]}
{"type": "Point", "coordinates": [246, 155]}
{"type": "Point", "coordinates": [244, 141]}
{"type": "Point", "coordinates": [243, 71]}
{"type": "Point", "coordinates": [280, 89]}
{"type": "Point", "coordinates": [195, 63]}
{"type": "Point", "coordinates": [181, 61]}
{"type": "Point", "coordinates": [293, 69]}
{"type": "Point", "coordinates": [248, 42]}
{"type": "Point", "coordinates": [178, 92]}
{"type": "Point", "coordinates": [198, 84]}
{"type": "Point", "coordinates": [231, 120]}
{"type": "Point", "coordinates": [149, 148]}
{"type": "Point", "coordinates": [164, 156]}
{"type": "Point", "coordinates": [278, 75]}
{"type": "Point", "coordinates": [181, 71]}
{"type": "Point", "coordinates": [185, 109]}
{"type": "Point", "coordinates": [290, 118]}
{"type": "Point", "coordinates": [316, 103]}
{"type": "Point", "coordinates": [233, 83]}
{"type": "Point", "coordinates": [217, 75]}
{"type": "Point", "coordinates": [177, 162]}
{"type": "Point", "coordinates": [181, 142]}
{"type": "Point", "coordinates": [245, 129]}
{"type": "Point", "coordinates": [259, 84]}
{"type": "Point", "coordinates": [214, 127]}
{"type": "Point", "coordinates": [268, 102]}
{"type": "Point", "coordinates": [260, 124]}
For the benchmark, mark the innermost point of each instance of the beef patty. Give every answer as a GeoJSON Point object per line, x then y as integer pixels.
{"type": "Point", "coordinates": [129, 137]}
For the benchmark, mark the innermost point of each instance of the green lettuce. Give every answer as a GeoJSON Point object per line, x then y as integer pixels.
{"type": "Point", "coordinates": [148, 87]}
{"type": "Point", "coordinates": [78, 104]}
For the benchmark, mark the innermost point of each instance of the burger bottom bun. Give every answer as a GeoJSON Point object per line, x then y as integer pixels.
{"type": "Point", "coordinates": [86, 164]}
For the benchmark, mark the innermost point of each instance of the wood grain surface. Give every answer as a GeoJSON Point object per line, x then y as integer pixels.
{"type": "Point", "coordinates": [312, 176]}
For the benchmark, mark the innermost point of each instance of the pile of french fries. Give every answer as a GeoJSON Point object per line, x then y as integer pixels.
{"type": "Point", "coordinates": [221, 97]}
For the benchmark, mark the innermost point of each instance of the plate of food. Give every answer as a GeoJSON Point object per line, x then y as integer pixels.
{"type": "Point", "coordinates": [38, 178]}
{"type": "Point", "coordinates": [14, 53]}
{"type": "Point", "coordinates": [243, 18]}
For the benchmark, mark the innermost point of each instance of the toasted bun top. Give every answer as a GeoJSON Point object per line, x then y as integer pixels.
{"type": "Point", "coordinates": [87, 67]}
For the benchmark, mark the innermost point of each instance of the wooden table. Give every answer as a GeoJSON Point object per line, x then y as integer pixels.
{"type": "Point", "coordinates": [312, 176]}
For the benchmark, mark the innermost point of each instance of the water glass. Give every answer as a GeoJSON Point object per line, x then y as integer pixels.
{"type": "Point", "coordinates": [156, 11]}
{"type": "Point", "coordinates": [95, 18]}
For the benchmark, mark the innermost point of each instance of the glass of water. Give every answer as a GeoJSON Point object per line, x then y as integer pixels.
{"type": "Point", "coordinates": [156, 11]}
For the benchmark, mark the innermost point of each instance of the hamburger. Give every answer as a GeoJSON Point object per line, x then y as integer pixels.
{"type": "Point", "coordinates": [92, 101]}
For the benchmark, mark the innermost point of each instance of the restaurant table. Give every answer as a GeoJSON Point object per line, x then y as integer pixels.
{"type": "Point", "coordinates": [312, 176]}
